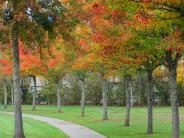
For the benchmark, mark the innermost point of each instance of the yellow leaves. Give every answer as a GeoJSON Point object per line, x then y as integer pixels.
{"type": "Point", "coordinates": [126, 36]}
{"type": "Point", "coordinates": [101, 23]}
{"type": "Point", "coordinates": [81, 63]}
{"type": "Point", "coordinates": [87, 7]}
{"type": "Point", "coordinates": [180, 72]}
{"type": "Point", "coordinates": [83, 30]}
{"type": "Point", "coordinates": [160, 72]}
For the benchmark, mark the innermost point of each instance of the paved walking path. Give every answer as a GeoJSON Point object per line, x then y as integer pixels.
{"type": "Point", "coordinates": [71, 129]}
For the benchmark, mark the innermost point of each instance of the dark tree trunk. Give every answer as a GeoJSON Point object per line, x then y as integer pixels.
{"type": "Point", "coordinates": [34, 94]}
{"type": "Point", "coordinates": [150, 102]}
{"type": "Point", "coordinates": [104, 100]}
{"type": "Point", "coordinates": [174, 102]}
{"type": "Point", "coordinates": [128, 102]}
{"type": "Point", "coordinates": [5, 93]}
{"type": "Point", "coordinates": [19, 133]}
{"type": "Point", "coordinates": [172, 85]}
{"type": "Point", "coordinates": [82, 98]}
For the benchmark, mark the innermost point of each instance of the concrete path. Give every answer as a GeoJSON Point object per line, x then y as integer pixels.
{"type": "Point", "coordinates": [71, 129]}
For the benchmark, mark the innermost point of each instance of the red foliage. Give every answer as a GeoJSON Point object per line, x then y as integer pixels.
{"type": "Point", "coordinates": [52, 63]}
{"type": "Point", "coordinates": [127, 23]}
{"type": "Point", "coordinates": [170, 49]}
{"type": "Point", "coordinates": [3, 61]}
{"type": "Point", "coordinates": [99, 37]}
{"type": "Point", "coordinates": [82, 42]}
{"type": "Point", "coordinates": [98, 9]}
{"type": "Point", "coordinates": [141, 18]}
{"type": "Point", "coordinates": [147, 1]}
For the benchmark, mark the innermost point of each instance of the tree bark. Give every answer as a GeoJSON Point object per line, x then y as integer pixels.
{"type": "Point", "coordinates": [128, 102]}
{"type": "Point", "coordinates": [82, 98]}
{"type": "Point", "coordinates": [12, 93]}
{"type": "Point", "coordinates": [58, 100]}
{"type": "Point", "coordinates": [150, 102]}
{"type": "Point", "coordinates": [34, 94]}
{"type": "Point", "coordinates": [19, 132]}
{"type": "Point", "coordinates": [131, 96]}
{"type": "Point", "coordinates": [174, 102]}
{"type": "Point", "coordinates": [5, 93]}
{"type": "Point", "coordinates": [104, 100]}
{"type": "Point", "coordinates": [172, 85]}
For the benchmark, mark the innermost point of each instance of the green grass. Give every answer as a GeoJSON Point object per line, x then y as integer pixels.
{"type": "Point", "coordinates": [33, 128]}
{"type": "Point", "coordinates": [113, 128]}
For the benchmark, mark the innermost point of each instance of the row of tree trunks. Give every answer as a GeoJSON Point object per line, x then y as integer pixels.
{"type": "Point", "coordinates": [172, 90]}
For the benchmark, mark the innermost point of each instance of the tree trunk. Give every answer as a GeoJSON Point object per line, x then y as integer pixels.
{"type": "Point", "coordinates": [131, 96]}
{"type": "Point", "coordinates": [83, 98]}
{"type": "Point", "coordinates": [172, 85]}
{"type": "Point", "coordinates": [58, 100]}
{"type": "Point", "coordinates": [174, 102]}
{"type": "Point", "coordinates": [128, 103]}
{"type": "Point", "coordinates": [12, 93]}
{"type": "Point", "coordinates": [34, 94]}
{"type": "Point", "coordinates": [150, 103]}
{"type": "Point", "coordinates": [19, 132]}
{"type": "Point", "coordinates": [5, 94]}
{"type": "Point", "coordinates": [104, 100]}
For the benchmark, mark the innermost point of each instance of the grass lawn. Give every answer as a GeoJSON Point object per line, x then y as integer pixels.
{"type": "Point", "coordinates": [33, 129]}
{"type": "Point", "coordinates": [113, 128]}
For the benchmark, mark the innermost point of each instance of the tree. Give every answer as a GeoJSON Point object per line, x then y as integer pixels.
{"type": "Point", "coordinates": [151, 59]}
{"type": "Point", "coordinates": [13, 14]}
{"type": "Point", "coordinates": [31, 65]}
{"type": "Point", "coordinates": [104, 36]}
{"type": "Point", "coordinates": [82, 76]}
{"type": "Point", "coordinates": [172, 57]}
{"type": "Point", "coordinates": [58, 65]}
{"type": "Point", "coordinates": [165, 18]}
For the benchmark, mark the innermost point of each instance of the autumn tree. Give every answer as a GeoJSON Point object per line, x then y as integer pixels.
{"type": "Point", "coordinates": [127, 72]}
{"type": "Point", "coordinates": [165, 18]}
{"type": "Point", "coordinates": [26, 19]}
{"type": "Point", "coordinates": [105, 40]}
{"type": "Point", "coordinates": [147, 50]}
{"type": "Point", "coordinates": [80, 66]}
{"type": "Point", "coordinates": [58, 64]}
{"type": "Point", "coordinates": [31, 66]}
